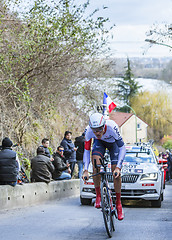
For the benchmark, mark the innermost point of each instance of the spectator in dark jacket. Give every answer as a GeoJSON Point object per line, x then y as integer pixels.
{"type": "Point", "coordinates": [9, 164]}
{"type": "Point", "coordinates": [69, 150]}
{"type": "Point", "coordinates": [45, 145]}
{"type": "Point", "coordinates": [169, 162]}
{"type": "Point", "coordinates": [42, 167]}
{"type": "Point", "coordinates": [79, 143]}
{"type": "Point", "coordinates": [60, 165]}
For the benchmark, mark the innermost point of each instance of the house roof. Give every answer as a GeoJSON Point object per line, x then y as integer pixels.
{"type": "Point", "coordinates": [120, 117]}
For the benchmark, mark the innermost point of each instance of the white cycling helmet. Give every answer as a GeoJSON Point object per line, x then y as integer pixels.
{"type": "Point", "coordinates": [96, 120]}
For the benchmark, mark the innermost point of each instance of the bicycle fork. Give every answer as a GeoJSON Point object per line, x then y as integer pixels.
{"type": "Point", "coordinates": [112, 206]}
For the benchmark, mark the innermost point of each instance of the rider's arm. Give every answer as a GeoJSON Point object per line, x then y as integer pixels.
{"type": "Point", "coordinates": [119, 142]}
{"type": "Point", "coordinates": [121, 156]}
{"type": "Point", "coordinates": [86, 157]}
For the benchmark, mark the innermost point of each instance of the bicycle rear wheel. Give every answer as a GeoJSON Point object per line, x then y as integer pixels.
{"type": "Point", "coordinates": [106, 209]}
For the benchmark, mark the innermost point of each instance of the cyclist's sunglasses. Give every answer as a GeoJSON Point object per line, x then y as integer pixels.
{"type": "Point", "coordinates": [61, 150]}
{"type": "Point", "coordinates": [95, 130]}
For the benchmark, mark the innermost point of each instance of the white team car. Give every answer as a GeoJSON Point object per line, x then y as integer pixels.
{"type": "Point", "coordinates": [142, 177]}
{"type": "Point", "coordinates": [87, 189]}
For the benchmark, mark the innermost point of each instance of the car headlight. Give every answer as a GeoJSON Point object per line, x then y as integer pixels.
{"type": "Point", "coordinates": [149, 176]}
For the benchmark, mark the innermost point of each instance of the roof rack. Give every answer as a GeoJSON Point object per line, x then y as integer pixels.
{"type": "Point", "coordinates": [148, 144]}
{"type": "Point", "coordinates": [139, 148]}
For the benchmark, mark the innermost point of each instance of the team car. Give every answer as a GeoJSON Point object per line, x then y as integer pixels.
{"type": "Point", "coordinates": [142, 177]}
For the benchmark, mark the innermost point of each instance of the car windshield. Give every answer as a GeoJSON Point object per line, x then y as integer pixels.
{"type": "Point", "coordinates": [139, 157]}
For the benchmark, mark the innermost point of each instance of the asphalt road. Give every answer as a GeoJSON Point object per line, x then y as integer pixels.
{"type": "Point", "coordinates": [67, 219]}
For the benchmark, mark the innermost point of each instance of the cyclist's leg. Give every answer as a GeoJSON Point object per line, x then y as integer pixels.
{"type": "Point", "coordinates": [97, 153]}
{"type": "Point", "coordinates": [113, 150]}
{"type": "Point", "coordinates": [117, 187]}
{"type": "Point", "coordinates": [117, 181]}
{"type": "Point", "coordinates": [97, 180]}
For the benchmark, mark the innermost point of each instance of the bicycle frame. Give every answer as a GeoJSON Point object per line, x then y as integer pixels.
{"type": "Point", "coordinates": [108, 208]}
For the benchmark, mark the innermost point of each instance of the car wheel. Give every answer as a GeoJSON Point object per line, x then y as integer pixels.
{"type": "Point", "coordinates": [85, 201]}
{"type": "Point", "coordinates": [156, 203]}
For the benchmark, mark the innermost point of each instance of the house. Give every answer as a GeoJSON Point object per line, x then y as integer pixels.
{"type": "Point", "coordinates": [131, 127]}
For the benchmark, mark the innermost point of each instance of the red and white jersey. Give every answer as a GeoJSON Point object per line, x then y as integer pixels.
{"type": "Point", "coordinates": [111, 135]}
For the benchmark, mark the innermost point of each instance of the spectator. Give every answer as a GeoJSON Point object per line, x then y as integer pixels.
{"type": "Point", "coordinates": [69, 150]}
{"type": "Point", "coordinates": [60, 165]}
{"type": "Point", "coordinates": [9, 164]}
{"type": "Point", "coordinates": [79, 143]}
{"type": "Point", "coordinates": [42, 167]}
{"type": "Point", "coordinates": [169, 161]}
{"type": "Point", "coordinates": [45, 145]}
{"type": "Point", "coordinates": [164, 155]}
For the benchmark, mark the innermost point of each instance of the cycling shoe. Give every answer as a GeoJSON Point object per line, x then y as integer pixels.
{"type": "Point", "coordinates": [120, 212]}
{"type": "Point", "coordinates": [98, 202]}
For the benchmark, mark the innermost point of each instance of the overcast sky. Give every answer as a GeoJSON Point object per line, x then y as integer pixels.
{"type": "Point", "coordinates": [133, 18]}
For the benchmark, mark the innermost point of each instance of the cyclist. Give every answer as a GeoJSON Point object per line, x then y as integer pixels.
{"type": "Point", "coordinates": [106, 135]}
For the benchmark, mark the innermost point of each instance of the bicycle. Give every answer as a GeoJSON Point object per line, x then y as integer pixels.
{"type": "Point", "coordinates": [107, 201]}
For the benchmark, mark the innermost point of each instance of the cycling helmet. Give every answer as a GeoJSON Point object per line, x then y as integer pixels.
{"type": "Point", "coordinates": [96, 120]}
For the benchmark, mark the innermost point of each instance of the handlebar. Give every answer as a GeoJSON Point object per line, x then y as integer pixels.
{"type": "Point", "coordinates": [104, 163]}
{"type": "Point", "coordinates": [85, 178]}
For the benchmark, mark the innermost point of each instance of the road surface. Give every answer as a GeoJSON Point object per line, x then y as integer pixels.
{"type": "Point", "coordinates": [68, 220]}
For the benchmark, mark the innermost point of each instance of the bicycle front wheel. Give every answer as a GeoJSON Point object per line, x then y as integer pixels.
{"type": "Point", "coordinates": [106, 209]}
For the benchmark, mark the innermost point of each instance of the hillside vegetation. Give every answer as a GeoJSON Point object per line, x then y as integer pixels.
{"type": "Point", "coordinates": [44, 53]}
{"type": "Point", "coordinates": [50, 60]}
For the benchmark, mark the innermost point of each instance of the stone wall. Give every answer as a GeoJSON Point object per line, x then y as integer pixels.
{"type": "Point", "coordinates": [35, 193]}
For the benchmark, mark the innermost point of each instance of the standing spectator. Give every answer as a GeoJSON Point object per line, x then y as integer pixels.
{"type": "Point", "coordinates": [45, 145]}
{"type": "Point", "coordinates": [69, 150]}
{"type": "Point", "coordinates": [79, 143]}
{"type": "Point", "coordinates": [9, 164]}
{"type": "Point", "coordinates": [164, 156]}
{"type": "Point", "coordinates": [160, 155]}
{"type": "Point", "coordinates": [60, 165]}
{"type": "Point", "coordinates": [169, 162]}
{"type": "Point", "coordinates": [42, 167]}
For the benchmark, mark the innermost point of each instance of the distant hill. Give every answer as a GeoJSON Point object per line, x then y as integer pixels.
{"type": "Point", "coordinates": [143, 67]}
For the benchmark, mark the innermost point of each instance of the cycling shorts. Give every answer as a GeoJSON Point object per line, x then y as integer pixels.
{"type": "Point", "coordinates": [100, 146]}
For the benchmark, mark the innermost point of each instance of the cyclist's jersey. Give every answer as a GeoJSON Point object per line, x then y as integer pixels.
{"type": "Point", "coordinates": [111, 135]}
